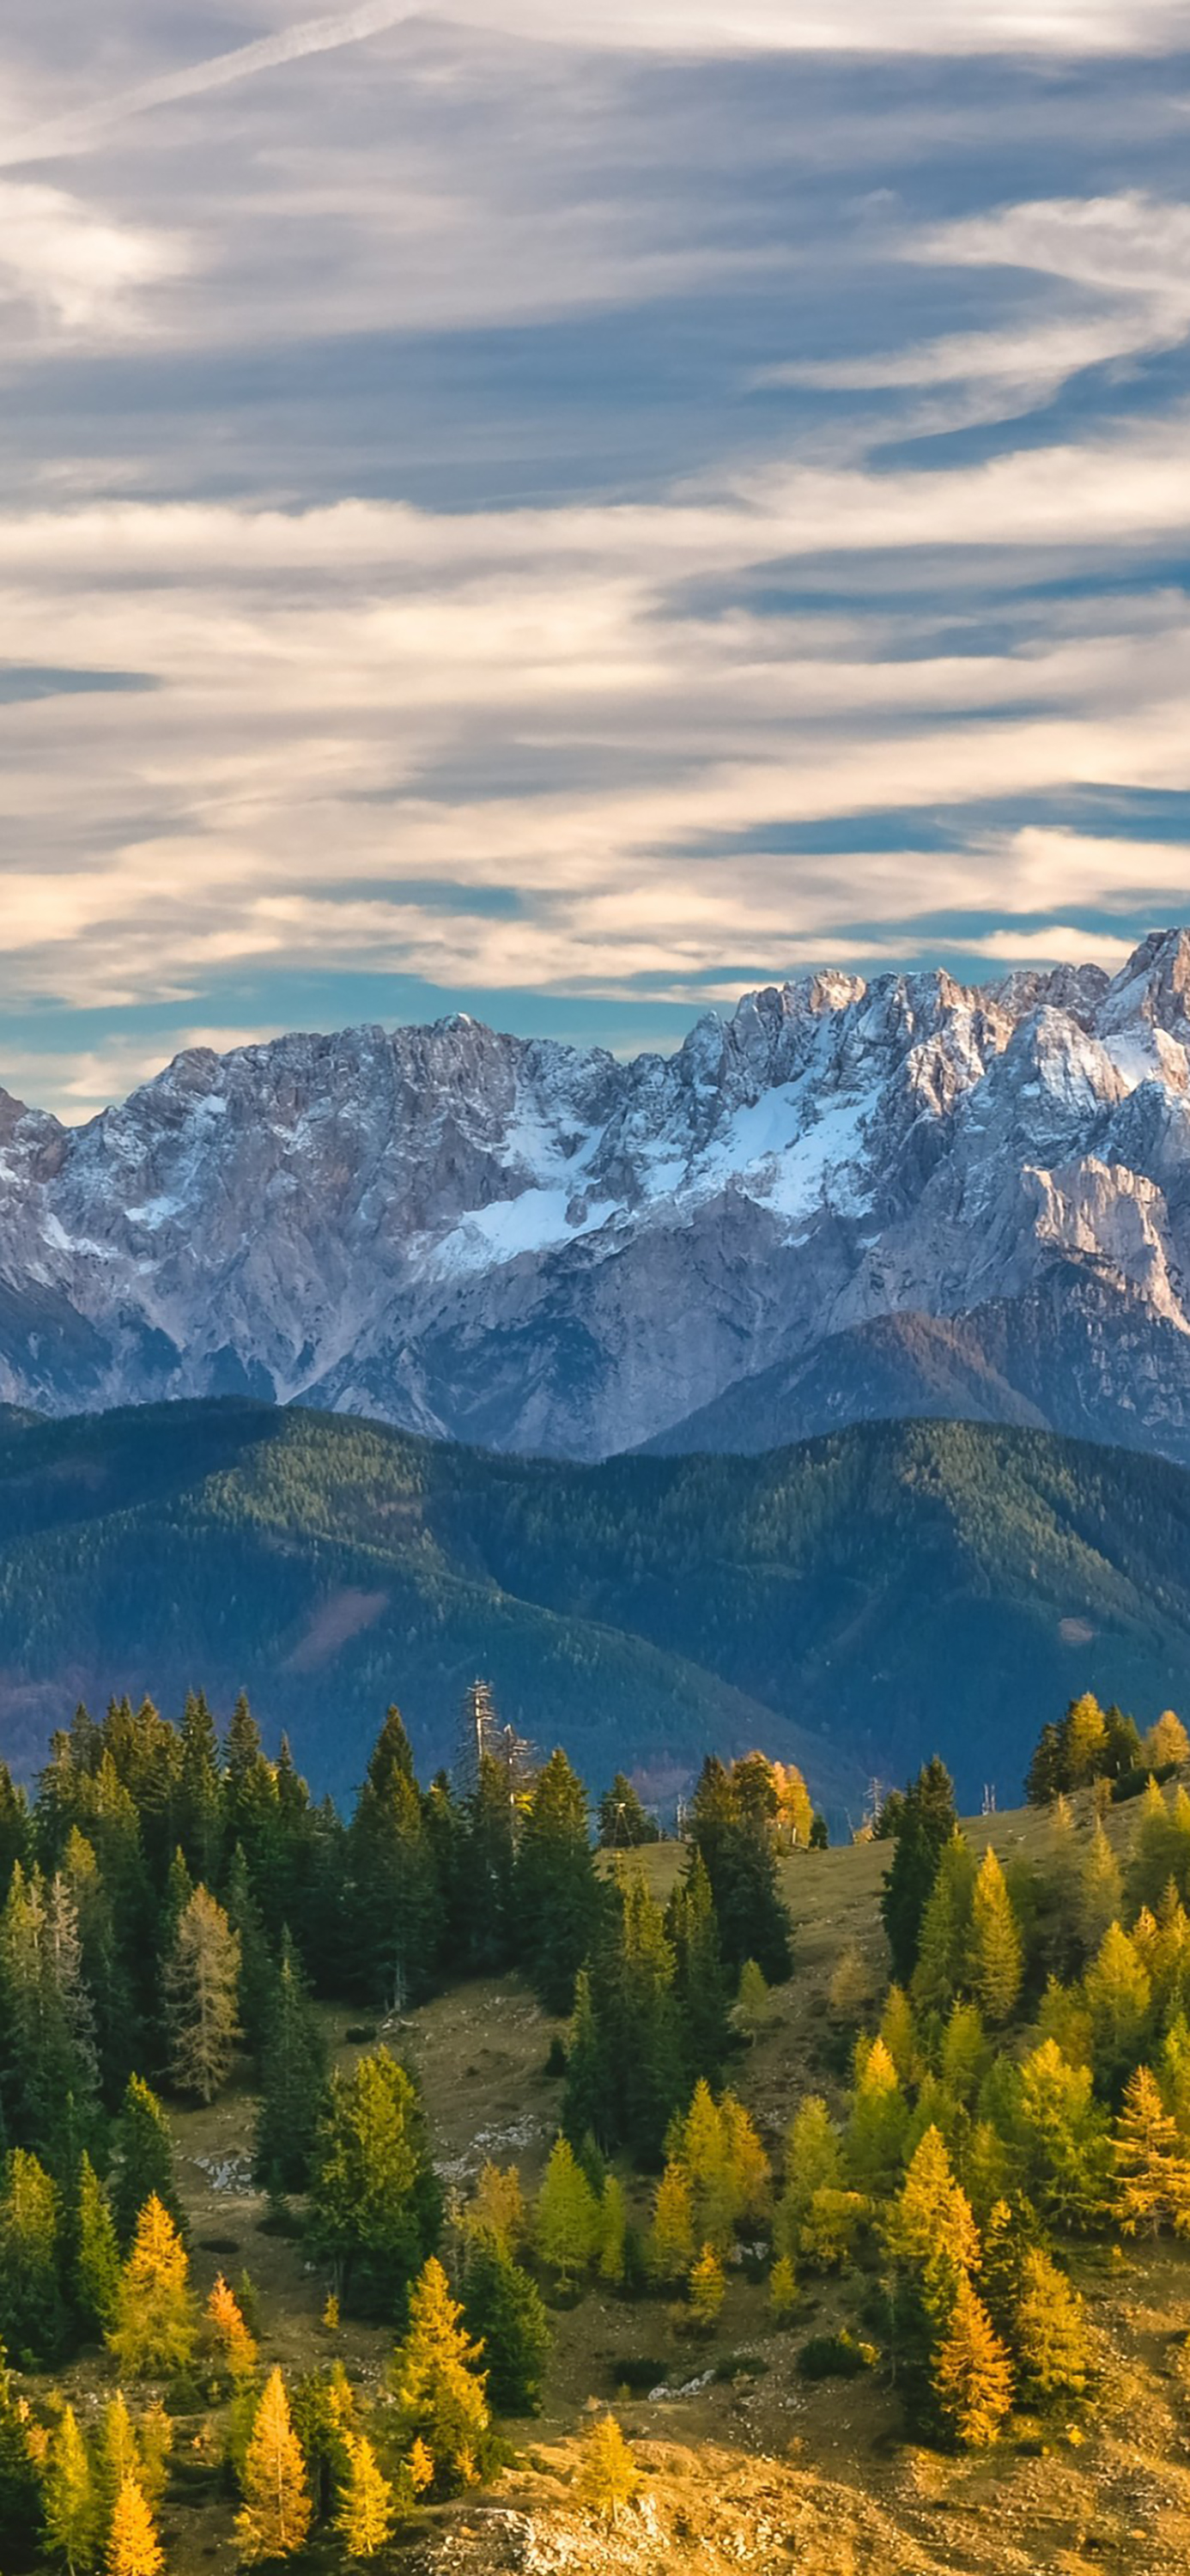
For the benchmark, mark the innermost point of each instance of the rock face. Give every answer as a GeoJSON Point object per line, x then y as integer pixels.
{"type": "Point", "coordinates": [901, 1195]}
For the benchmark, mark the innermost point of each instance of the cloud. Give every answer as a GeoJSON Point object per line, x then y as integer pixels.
{"type": "Point", "coordinates": [75, 271]}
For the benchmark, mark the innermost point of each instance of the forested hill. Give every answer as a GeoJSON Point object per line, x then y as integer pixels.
{"type": "Point", "coordinates": [851, 1603]}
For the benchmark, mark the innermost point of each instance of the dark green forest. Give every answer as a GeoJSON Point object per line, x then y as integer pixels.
{"type": "Point", "coordinates": [852, 1603]}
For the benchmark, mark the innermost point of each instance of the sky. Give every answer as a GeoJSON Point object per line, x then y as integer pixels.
{"type": "Point", "coordinates": [572, 521]}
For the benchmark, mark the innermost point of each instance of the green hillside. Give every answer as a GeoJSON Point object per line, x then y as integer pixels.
{"type": "Point", "coordinates": [851, 1602]}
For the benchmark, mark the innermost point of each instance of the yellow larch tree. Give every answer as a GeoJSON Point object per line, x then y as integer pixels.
{"type": "Point", "coordinates": [133, 2548]}
{"type": "Point", "coordinates": [275, 2516]}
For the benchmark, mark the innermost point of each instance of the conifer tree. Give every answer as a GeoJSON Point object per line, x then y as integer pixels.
{"type": "Point", "coordinates": [367, 2503]}
{"type": "Point", "coordinates": [1050, 2333]}
{"type": "Point", "coordinates": [70, 2521]}
{"type": "Point", "coordinates": [483, 1890]}
{"type": "Point", "coordinates": [997, 1958]}
{"type": "Point", "coordinates": [110, 2014]}
{"type": "Point", "coordinates": [965, 2055]}
{"type": "Point", "coordinates": [1101, 1890]}
{"type": "Point", "coordinates": [236, 2347]}
{"type": "Point", "coordinates": [117, 2458]}
{"type": "Point", "coordinates": [96, 2265]}
{"type": "Point", "coordinates": [671, 2238]}
{"type": "Point", "coordinates": [395, 1901]}
{"type": "Point", "coordinates": [733, 1824]}
{"type": "Point", "coordinates": [258, 1971]}
{"type": "Point", "coordinates": [623, 1823]}
{"type": "Point", "coordinates": [923, 1822]}
{"type": "Point", "coordinates": [375, 2207]}
{"type": "Point", "coordinates": [944, 1950]}
{"type": "Point", "coordinates": [700, 1979]}
{"type": "Point", "coordinates": [154, 2328]}
{"type": "Point", "coordinates": [14, 1828]}
{"type": "Point", "coordinates": [566, 2221]}
{"type": "Point", "coordinates": [813, 2163]}
{"type": "Point", "coordinates": [782, 2290]}
{"type": "Point", "coordinates": [613, 2230]}
{"type": "Point", "coordinates": [609, 2478]}
{"type": "Point", "coordinates": [1064, 2134]}
{"type": "Point", "coordinates": [627, 2068]}
{"type": "Point", "coordinates": [898, 2030]}
{"type": "Point", "coordinates": [20, 2486]}
{"type": "Point", "coordinates": [1084, 1742]}
{"type": "Point", "coordinates": [1118, 1993]}
{"type": "Point", "coordinates": [1166, 1741]}
{"type": "Point", "coordinates": [202, 1978]}
{"type": "Point", "coordinates": [706, 2290]}
{"type": "Point", "coordinates": [497, 2208]}
{"type": "Point", "coordinates": [133, 2548]}
{"type": "Point", "coordinates": [753, 2002]}
{"type": "Point", "coordinates": [973, 2373]}
{"type": "Point", "coordinates": [1152, 2162]}
{"type": "Point", "coordinates": [557, 1892]}
{"type": "Point", "coordinates": [50, 2090]}
{"type": "Point", "coordinates": [879, 2117]}
{"type": "Point", "coordinates": [293, 2075]}
{"type": "Point", "coordinates": [142, 2162]}
{"type": "Point", "coordinates": [249, 1788]}
{"type": "Point", "coordinates": [198, 1803]}
{"type": "Point", "coordinates": [930, 2222]}
{"type": "Point", "coordinates": [32, 2318]}
{"type": "Point", "coordinates": [505, 2315]}
{"type": "Point", "coordinates": [584, 2100]}
{"type": "Point", "coordinates": [437, 2382]}
{"type": "Point", "coordinates": [276, 2512]}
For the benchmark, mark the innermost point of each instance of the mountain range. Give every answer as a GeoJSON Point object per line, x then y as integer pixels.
{"type": "Point", "coordinates": [850, 1604]}
{"type": "Point", "coordinates": [846, 1199]}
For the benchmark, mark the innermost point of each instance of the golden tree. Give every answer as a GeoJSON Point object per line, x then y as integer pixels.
{"type": "Point", "coordinates": [1050, 2330]}
{"type": "Point", "coordinates": [133, 2548]}
{"type": "Point", "coordinates": [225, 2318]}
{"type": "Point", "coordinates": [706, 2290]}
{"type": "Point", "coordinates": [437, 2383]}
{"type": "Point", "coordinates": [671, 2238]}
{"type": "Point", "coordinates": [996, 1957]}
{"type": "Point", "coordinates": [930, 2221]}
{"type": "Point", "coordinates": [972, 2373]}
{"type": "Point", "coordinates": [69, 2503]}
{"type": "Point", "coordinates": [202, 1983]}
{"type": "Point", "coordinates": [367, 2504]}
{"type": "Point", "coordinates": [1152, 2162]}
{"type": "Point", "coordinates": [276, 2513]}
{"type": "Point", "coordinates": [609, 2477]}
{"type": "Point", "coordinates": [153, 2333]}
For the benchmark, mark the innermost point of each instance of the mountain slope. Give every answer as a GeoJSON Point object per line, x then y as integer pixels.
{"type": "Point", "coordinates": [851, 1603]}
{"type": "Point", "coordinates": [521, 1245]}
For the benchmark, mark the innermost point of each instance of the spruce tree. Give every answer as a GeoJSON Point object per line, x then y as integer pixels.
{"type": "Point", "coordinates": [505, 2315]}
{"type": "Point", "coordinates": [700, 1979]}
{"type": "Point", "coordinates": [438, 2384]}
{"type": "Point", "coordinates": [275, 2516]}
{"type": "Point", "coordinates": [96, 2263]}
{"type": "Point", "coordinates": [733, 1825]}
{"type": "Point", "coordinates": [142, 2162]}
{"type": "Point", "coordinates": [922, 1824]}
{"type": "Point", "coordinates": [484, 1899]}
{"type": "Point", "coordinates": [202, 1978]}
{"type": "Point", "coordinates": [973, 2373]}
{"type": "Point", "coordinates": [20, 2486]}
{"type": "Point", "coordinates": [154, 2328]}
{"type": "Point", "coordinates": [557, 1892]}
{"type": "Point", "coordinates": [32, 2314]}
{"type": "Point", "coordinates": [70, 2520]}
{"type": "Point", "coordinates": [198, 1799]}
{"type": "Point", "coordinates": [293, 2076]}
{"type": "Point", "coordinates": [623, 1823]}
{"type": "Point", "coordinates": [258, 1972]}
{"type": "Point", "coordinates": [394, 1900]}
{"type": "Point", "coordinates": [374, 2202]}
{"type": "Point", "coordinates": [49, 2094]}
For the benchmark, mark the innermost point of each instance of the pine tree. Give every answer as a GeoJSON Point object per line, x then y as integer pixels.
{"type": "Point", "coordinates": [50, 2090]}
{"type": "Point", "coordinates": [557, 1892]}
{"type": "Point", "coordinates": [505, 2316]}
{"type": "Point", "coordinates": [293, 2075]}
{"type": "Point", "coordinates": [96, 2266]}
{"type": "Point", "coordinates": [132, 2548]}
{"type": "Point", "coordinates": [566, 2221]}
{"type": "Point", "coordinates": [483, 1901]}
{"type": "Point", "coordinates": [276, 2513]}
{"type": "Point", "coordinates": [438, 2385]}
{"type": "Point", "coordinates": [1046, 1776]}
{"type": "Point", "coordinates": [930, 2222]}
{"type": "Point", "coordinates": [367, 2503]}
{"type": "Point", "coordinates": [609, 2478]}
{"type": "Point", "coordinates": [70, 2521]}
{"type": "Point", "coordinates": [627, 2068]}
{"type": "Point", "coordinates": [700, 1979]}
{"type": "Point", "coordinates": [258, 1971]}
{"type": "Point", "coordinates": [733, 1824]}
{"type": "Point", "coordinates": [198, 1801]}
{"type": "Point", "coordinates": [154, 2328]}
{"type": "Point", "coordinates": [32, 2318]}
{"type": "Point", "coordinates": [202, 1977]}
{"type": "Point", "coordinates": [706, 2290]}
{"type": "Point", "coordinates": [973, 2373]}
{"type": "Point", "coordinates": [375, 2207]}
{"type": "Point", "coordinates": [225, 2320]}
{"type": "Point", "coordinates": [1152, 2162]}
{"type": "Point", "coordinates": [996, 1958]}
{"type": "Point", "coordinates": [142, 2162]}
{"type": "Point", "coordinates": [1049, 2330]}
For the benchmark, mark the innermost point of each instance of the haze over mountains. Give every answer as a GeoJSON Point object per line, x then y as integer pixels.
{"type": "Point", "coordinates": [847, 1199]}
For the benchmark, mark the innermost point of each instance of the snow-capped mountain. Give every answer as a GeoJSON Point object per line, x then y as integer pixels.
{"type": "Point", "coordinates": [901, 1195]}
